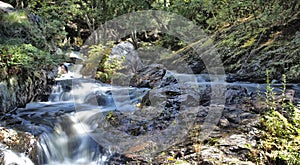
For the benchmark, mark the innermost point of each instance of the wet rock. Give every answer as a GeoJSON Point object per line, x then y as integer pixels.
{"type": "Point", "coordinates": [176, 94]}
{"type": "Point", "coordinates": [238, 145]}
{"type": "Point", "coordinates": [231, 149]}
{"type": "Point", "coordinates": [127, 60]}
{"type": "Point", "coordinates": [19, 90]}
{"type": "Point", "coordinates": [231, 78]}
{"type": "Point", "coordinates": [52, 74]}
{"type": "Point", "coordinates": [96, 99]}
{"type": "Point", "coordinates": [149, 76]}
{"type": "Point", "coordinates": [235, 94]}
{"type": "Point", "coordinates": [224, 122]}
{"type": "Point", "coordinates": [6, 8]}
{"type": "Point", "coordinates": [19, 142]}
{"type": "Point", "coordinates": [171, 96]}
{"type": "Point", "coordinates": [233, 116]}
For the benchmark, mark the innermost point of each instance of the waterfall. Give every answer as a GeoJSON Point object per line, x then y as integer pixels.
{"type": "Point", "coordinates": [73, 128]}
{"type": "Point", "coordinates": [70, 144]}
{"type": "Point", "coordinates": [11, 157]}
{"type": "Point", "coordinates": [63, 123]}
{"type": "Point", "coordinates": [69, 140]}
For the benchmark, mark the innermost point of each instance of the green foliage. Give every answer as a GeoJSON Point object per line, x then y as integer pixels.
{"type": "Point", "coordinates": [249, 42]}
{"type": "Point", "coordinates": [54, 17]}
{"type": "Point", "coordinates": [263, 35]}
{"type": "Point", "coordinates": [99, 64]}
{"type": "Point", "coordinates": [66, 21]}
{"type": "Point", "coordinates": [24, 47]}
{"type": "Point", "coordinates": [14, 25]}
{"type": "Point", "coordinates": [15, 59]}
{"type": "Point", "coordinates": [281, 128]}
{"type": "Point", "coordinates": [213, 15]}
{"type": "Point", "coordinates": [112, 118]}
{"type": "Point", "coordinates": [18, 29]}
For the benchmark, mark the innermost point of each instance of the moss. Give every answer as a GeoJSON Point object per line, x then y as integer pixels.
{"type": "Point", "coordinates": [257, 42]}
{"type": "Point", "coordinates": [16, 17]}
{"type": "Point", "coordinates": [249, 43]}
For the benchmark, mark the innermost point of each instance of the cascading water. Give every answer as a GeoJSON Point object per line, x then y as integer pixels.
{"type": "Point", "coordinates": [69, 141]}
{"type": "Point", "coordinates": [64, 123]}
{"type": "Point", "coordinates": [69, 123]}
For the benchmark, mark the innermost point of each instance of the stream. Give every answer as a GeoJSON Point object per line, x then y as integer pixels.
{"type": "Point", "coordinates": [73, 127]}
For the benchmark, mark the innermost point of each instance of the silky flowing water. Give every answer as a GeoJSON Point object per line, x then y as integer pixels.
{"type": "Point", "coordinates": [75, 112]}
{"type": "Point", "coordinates": [68, 139]}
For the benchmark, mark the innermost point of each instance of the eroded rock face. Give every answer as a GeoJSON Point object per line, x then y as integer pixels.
{"type": "Point", "coordinates": [126, 53]}
{"type": "Point", "coordinates": [18, 90]}
{"type": "Point", "coordinates": [149, 76]}
{"type": "Point", "coordinates": [172, 97]}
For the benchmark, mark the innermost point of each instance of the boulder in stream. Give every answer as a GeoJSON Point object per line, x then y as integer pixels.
{"type": "Point", "coordinates": [17, 147]}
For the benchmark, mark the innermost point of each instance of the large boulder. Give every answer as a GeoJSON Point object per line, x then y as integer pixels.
{"type": "Point", "coordinates": [17, 91]}
{"type": "Point", "coordinates": [127, 62]}
{"type": "Point", "coordinates": [126, 53]}
{"type": "Point", "coordinates": [6, 8]}
{"type": "Point", "coordinates": [17, 147]}
{"type": "Point", "coordinates": [149, 76]}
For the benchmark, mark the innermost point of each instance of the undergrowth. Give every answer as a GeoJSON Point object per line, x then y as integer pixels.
{"type": "Point", "coordinates": [281, 127]}
{"type": "Point", "coordinates": [99, 63]}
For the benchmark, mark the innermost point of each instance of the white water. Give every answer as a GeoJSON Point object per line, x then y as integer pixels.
{"type": "Point", "coordinates": [70, 142]}
{"type": "Point", "coordinates": [11, 157]}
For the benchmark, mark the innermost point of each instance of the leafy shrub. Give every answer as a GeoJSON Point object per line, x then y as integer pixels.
{"type": "Point", "coordinates": [18, 29]}
{"type": "Point", "coordinates": [16, 59]}
{"type": "Point", "coordinates": [99, 64]}
{"type": "Point", "coordinates": [281, 129]}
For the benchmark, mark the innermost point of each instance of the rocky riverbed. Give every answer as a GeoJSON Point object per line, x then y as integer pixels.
{"type": "Point", "coordinates": [232, 137]}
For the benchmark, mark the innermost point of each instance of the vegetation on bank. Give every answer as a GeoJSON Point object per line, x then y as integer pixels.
{"type": "Point", "coordinates": [252, 37]}
{"type": "Point", "coordinates": [99, 58]}
{"type": "Point", "coordinates": [23, 48]}
{"type": "Point", "coordinates": [280, 134]}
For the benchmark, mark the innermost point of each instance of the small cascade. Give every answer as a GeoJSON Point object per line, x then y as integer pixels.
{"type": "Point", "coordinates": [56, 93]}
{"type": "Point", "coordinates": [64, 83]}
{"type": "Point", "coordinates": [11, 157]}
{"type": "Point", "coordinates": [72, 71]}
{"type": "Point", "coordinates": [69, 143]}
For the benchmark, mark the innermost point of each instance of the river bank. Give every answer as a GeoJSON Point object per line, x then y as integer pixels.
{"type": "Point", "coordinates": [149, 97]}
{"type": "Point", "coordinates": [234, 138]}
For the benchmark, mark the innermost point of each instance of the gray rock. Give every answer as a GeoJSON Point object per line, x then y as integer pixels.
{"type": "Point", "coordinates": [18, 90]}
{"type": "Point", "coordinates": [17, 147]}
{"type": "Point", "coordinates": [149, 76]}
{"type": "Point", "coordinates": [235, 94]}
{"type": "Point", "coordinates": [232, 149]}
{"type": "Point", "coordinates": [7, 8]}
{"type": "Point", "coordinates": [224, 122]}
{"type": "Point", "coordinates": [126, 53]}
{"type": "Point", "coordinates": [126, 58]}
